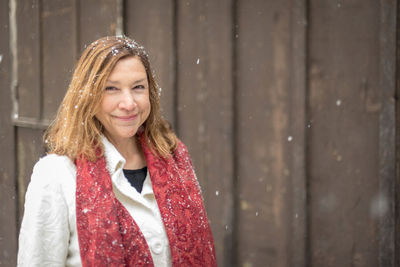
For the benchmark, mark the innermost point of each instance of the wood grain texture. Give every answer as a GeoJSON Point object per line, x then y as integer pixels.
{"type": "Point", "coordinates": [8, 194]}
{"type": "Point", "coordinates": [298, 127]}
{"type": "Point", "coordinates": [344, 107]}
{"type": "Point", "coordinates": [397, 146]}
{"type": "Point", "coordinates": [58, 50]}
{"type": "Point", "coordinates": [29, 58]}
{"type": "Point", "coordinates": [96, 19]}
{"type": "Point", "coordinates": [387, 122]}
{"type": "Point", "coordinates": [264, 136]}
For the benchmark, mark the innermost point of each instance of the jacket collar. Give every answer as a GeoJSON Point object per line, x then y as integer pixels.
{"type": "Point", "coordinates": [113, 158]}
{"type": "Point", "coordinates": [114, 162]}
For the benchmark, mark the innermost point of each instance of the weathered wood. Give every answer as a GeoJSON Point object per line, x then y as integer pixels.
{"type": "Point", "coordinates": [344, 106]}
{"type": "Point", "coordinates": [264, 136]}
{"type": "Point", "coordinates": [151, 23]}
{"type": "Point", "coordinates": [8, 209]}
{"type": "Point", "coordinates": [29, 61]}
{"type": "Point", "coordinates": [397, 147]}
{"type": "Point", "coordinates": [387, 173]}
{"type": "Point", "coordinates": [58, 50]}
{"type": "Point", "coordinates": [96, 19]}
{"type": "Point", "coordinates": [297, 126]}
{"type": "Point", "coordinates": [205, 108]}
{"type": "Point", "coordinates": [29, 149]}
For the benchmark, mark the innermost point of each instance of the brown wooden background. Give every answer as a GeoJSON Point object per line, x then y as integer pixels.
{"type": "Point", "coordinates": [289, 109]}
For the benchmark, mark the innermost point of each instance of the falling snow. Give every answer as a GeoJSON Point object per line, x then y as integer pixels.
{"type": "Point", "coordinates": [114, 51]}
{"type": "Point", "coordinates": [379, 206]}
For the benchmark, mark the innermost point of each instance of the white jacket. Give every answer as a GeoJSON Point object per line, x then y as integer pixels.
{"type": "Point", "coordinates": [48, 235]}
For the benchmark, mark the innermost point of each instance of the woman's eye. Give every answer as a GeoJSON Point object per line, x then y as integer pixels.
{"type": "Point", "coordinates": [110, 88]}
{"type": "Point", "coordinates": [139, 87]}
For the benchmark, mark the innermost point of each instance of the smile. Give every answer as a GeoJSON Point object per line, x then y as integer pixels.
{"type": "Point", "coordinates": [126, 118]}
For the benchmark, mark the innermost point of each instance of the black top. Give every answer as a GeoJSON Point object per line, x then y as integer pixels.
{"type": "Point", "coordinates": [136, 178]}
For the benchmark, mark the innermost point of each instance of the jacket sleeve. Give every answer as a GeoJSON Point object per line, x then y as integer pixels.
{"type": "Point", "coordinates": [44, 233]}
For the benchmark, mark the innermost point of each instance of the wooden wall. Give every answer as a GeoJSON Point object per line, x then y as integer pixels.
{"type": "Point", "coordinates": [8, 193]}
{"type": "Point", "coordinates": [288, 109]}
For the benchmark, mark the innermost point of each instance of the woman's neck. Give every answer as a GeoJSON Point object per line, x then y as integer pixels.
{"type": "Point", "coordinates": [131, 150]}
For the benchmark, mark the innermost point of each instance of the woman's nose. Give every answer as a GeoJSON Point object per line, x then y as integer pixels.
{"type": "Point", "coordinates": [128, 101]}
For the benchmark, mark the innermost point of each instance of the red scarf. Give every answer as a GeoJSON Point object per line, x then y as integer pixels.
{"type": "Point", "coordinates": [108, 235]}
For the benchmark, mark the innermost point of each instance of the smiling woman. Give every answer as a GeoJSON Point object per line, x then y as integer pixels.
{"type": "Point", "coordinates": [117, 187]}
{"type": "Point", "coordinates": [91, 83]}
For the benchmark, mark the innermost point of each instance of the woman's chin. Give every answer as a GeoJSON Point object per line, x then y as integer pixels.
{"type": "Point", "coordinates": [122, 134]}
{"type": "Point", "coordinates": [128, 134]}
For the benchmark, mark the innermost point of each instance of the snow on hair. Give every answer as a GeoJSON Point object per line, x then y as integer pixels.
{"type": "Point", "coordinates": [75, 130]}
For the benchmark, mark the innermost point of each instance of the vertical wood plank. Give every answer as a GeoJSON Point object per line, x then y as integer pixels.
{"type": "Point", "coordinates": [387, 169]}
{"type": "Point", "coordinates": [297, 127]}
{"type": "Point", "coordinates": [58, 50]}
{"type": "Point", "coordinates": [96, 19]}
{"type": "Point", "coordinates": [151, 23]}
{"type": "Point", "coordinates": [344, 106]}
{"type": "Point", "coordinates": [205, 107]}
{"type": "Point", "coordinates": [29, 84]}
{"type": "Point", "coordinates": [397, 147]}
{"type": "Point", "coordinates": [265, 138]}
{"type": "Point", "coordinates": [8, 209]}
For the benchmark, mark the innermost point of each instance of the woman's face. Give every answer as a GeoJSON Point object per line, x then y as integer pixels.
{"type": "Point", "coordinates": [125, 105]}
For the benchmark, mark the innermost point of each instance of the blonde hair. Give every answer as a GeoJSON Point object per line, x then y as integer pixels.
{"type": "Point", "coordinates": [75, 130]}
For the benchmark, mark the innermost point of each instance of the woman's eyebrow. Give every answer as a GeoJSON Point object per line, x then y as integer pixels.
{"type": "Point", "coordinates": [140, 80]}
{"type": "Point", "coordinates": [117, 82]}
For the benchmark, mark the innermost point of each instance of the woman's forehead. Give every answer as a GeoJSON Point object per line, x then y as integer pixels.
{"type": "Point", "coordinates": [129, 68]}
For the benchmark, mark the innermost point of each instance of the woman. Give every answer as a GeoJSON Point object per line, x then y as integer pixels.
{"type": "Point", "coordinates": [117, 187]}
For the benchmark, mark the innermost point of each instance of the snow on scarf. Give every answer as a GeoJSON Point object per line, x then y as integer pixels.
{"type": "Point", "coordinates": [108, 235]}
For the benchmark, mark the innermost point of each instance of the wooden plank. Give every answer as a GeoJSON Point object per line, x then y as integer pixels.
{"type": "Point", "coordinates": [205, 108]}
{"type": "Point", "coordinates": [8, 209]}
{"type": "Point", "coordinates": [29, 149]}
{"type": "Point", "coordinates": [96, 19]}
{"type": "Point", "coordinates": [397, 147]}
{"type": "Point", "coordinates": [344, 106]}
{"type": "Point", "coordinates": [58, 50]}
{"type": "Point", "coordinates": [387, 124]}
{"type": "Point", "coordinates": [158, 39]}
{"type": "Point", "coordinates": [297, 127]}
{"type": "Point", "coordinates": [265, 138]}
{"type": "Point", "coordinates": [29, 78]}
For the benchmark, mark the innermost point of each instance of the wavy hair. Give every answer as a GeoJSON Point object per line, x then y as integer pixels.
{"type": "Point", "coordinates": [75, 129]}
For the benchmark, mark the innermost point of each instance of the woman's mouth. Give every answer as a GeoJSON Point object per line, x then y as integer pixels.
{"type": "Point", "coordinates": [126, 118]}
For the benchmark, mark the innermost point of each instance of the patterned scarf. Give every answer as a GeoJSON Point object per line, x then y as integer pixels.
{"type": "Point", "coordinates": [108, 235]}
